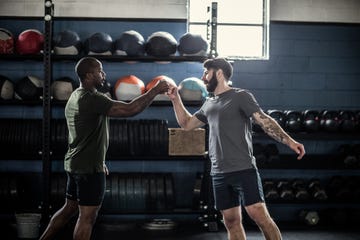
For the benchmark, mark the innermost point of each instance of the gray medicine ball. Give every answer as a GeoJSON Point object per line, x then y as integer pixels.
{"type": "Point", "coordinates": [130, 43]}
{"type": "Point", "coordinates": [161, 44]}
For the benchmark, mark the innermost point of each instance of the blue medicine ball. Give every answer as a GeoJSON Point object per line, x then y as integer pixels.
{"type": "Point", "coordinates": [67, 42]}
{"type": "Point", "coordinates": [99, 43]}
{"type": "Point", "coordinates": [192, 89]}
{"type": "Point", "coordinates": [161, 44]}
{"type": "Point", "coordinates": [192, 44]}
{"type": "Point", "coordinates": [130, 43]}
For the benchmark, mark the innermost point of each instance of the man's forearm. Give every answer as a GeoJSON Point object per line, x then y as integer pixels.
{"type": "Point", "coordinates": [140, 103]}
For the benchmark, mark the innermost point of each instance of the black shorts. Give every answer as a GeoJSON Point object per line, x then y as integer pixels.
{"type": "Point", "coordinates": [87, 189]}
{"type": "Point", "coordinates": [236, 188]}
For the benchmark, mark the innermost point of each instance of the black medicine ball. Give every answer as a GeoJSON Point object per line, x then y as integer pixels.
{"type": "Point", "coordinates": [161, 44]}
{"type": "Point", "coordinates": [6, 88]}
{"type": "Point", "coordinates": [192, 44]}
{"type": "Point", "coordinates": [130, 43]}
{"type": "Point", "coordinates": [29, 88]}
{"type": "Point", "coordinates": [67, 42]}
{"type": "Point", "coordinates": [99, 43]}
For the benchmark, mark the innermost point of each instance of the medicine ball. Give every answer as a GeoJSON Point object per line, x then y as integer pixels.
{"type": "Point", "coordinates": [192, 89]}
{"type": "Point", "coordinates": [128, 88]}
{"type": "Point", "coordinates": [311, 120]}
{"type": "Point", "coordinates": [6, 88]}
{"type": "Point", "coordinates": [99, 43]}
{"type": "Point", "coordinates": [278, 116]}
{"type": "Point", "coordinates": [161, 44]}
{"type": "Point", "coordinates": [152, 83]}
{"type": "Point", "coordinates": [293, 121]}
{"type": "Point", "coordinates": [192, 44]}
{"type": "Point", "coordinates": [62, 88]}
{"type": "Point", "coordinates": [106, 89]}
{"type": "Point", "coordinates": [67, 42]}
{"type": "Point", "coordinates": [130, 43]}
{"type": "Point", "coordinates": [29, 88]}
{"type": "Point", "coordinates": [357, 120]}
{"type": "Point", "coordinates": [329, 120]}
{"type": "Point", "coordinates": [30, 41]}
{"type": "Point", "coordinates": [6, 41]}
{"type": "Point", "coordinates": [347, 120]}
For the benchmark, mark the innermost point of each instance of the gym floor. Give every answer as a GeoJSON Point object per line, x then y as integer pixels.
{"type": "Point", "coordinates": [190, 231]}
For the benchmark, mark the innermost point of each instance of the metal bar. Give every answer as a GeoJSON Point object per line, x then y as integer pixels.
{"type": "Point", "coordinates": [46, 151]}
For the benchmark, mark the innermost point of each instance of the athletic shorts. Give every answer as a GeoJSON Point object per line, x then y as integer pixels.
{"type": "Point", "coordinates": [87, 189]}
{"type": "Point", "coordinates": [237, 188]}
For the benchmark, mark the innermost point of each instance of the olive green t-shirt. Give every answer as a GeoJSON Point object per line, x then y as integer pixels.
{"type": "Point", "coordinates": [88, 127]}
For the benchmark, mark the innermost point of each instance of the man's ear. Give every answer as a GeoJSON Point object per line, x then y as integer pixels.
{"type": "Point", "coordinates": [219, 73]}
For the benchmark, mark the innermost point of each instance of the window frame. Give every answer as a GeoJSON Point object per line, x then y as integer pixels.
{"type": "Point", "coordinates": [212, 28]}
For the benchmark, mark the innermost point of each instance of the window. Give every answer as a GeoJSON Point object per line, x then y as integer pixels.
{"type": "Point", "coordinates": [241, 29]}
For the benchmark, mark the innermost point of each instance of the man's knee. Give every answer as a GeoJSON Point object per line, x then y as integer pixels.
{"type": "Point", "coordinates": [88, 214]}
{"type": "Point", "coordinates": [258, 213]}
{"type": "Point", "coordinates": [232, 218]}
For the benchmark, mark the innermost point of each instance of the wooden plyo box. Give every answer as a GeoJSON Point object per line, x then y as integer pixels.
{"type": "Point", "coordinates": [186, 143]}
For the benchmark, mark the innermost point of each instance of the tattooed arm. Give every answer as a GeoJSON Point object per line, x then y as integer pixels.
{"type": "Point", "coordinates": [273, 129]}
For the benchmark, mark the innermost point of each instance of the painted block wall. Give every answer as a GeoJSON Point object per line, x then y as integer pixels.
{"type": "Point", "coordinates": [310, 66]}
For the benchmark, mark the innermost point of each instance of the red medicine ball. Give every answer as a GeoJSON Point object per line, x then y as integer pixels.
{"type": "Point", "coordinates": [30, 41]}
{"type": "Point", "coordinates": [6, 41]}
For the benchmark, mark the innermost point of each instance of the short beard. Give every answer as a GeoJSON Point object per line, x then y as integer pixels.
{"type": "Point", "coordinates": [211, 86]}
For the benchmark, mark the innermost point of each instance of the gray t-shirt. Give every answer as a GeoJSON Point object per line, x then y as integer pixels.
{"type": "Point", "coordinates": [230, 139]}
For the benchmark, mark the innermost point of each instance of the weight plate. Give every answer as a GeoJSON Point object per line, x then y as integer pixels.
{"type": "Point", "coordinates": [122, 192]}
{"type": "Point", "coordinates": [152, 201]}
{"type": "Point", "coordinates": [169, 191]}
{"type": "Point", "coordinates": [115, 191]}
{"type": "Point", "coordinates": [129, 192]}
{"type": "Point", "coordinates": [160, 194]}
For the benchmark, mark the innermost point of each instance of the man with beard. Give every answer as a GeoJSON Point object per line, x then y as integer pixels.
{"type": "Point", "coordinates": [87, 115]}
{"type": "Point", "coordinates": [235, 177]}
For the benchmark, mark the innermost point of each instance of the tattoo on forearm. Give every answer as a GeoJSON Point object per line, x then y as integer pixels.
{"type": "Point", "coordinates": [272, 129]}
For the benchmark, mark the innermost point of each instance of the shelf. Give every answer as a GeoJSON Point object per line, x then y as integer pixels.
{"type": "Point", "coordinates": [16, 102]}
{"type": "Point", "coordinates": [110, 58]}
{"type": "Point", "coordinates": [310, 162]}
{"type": "Point", "coordinates": [321, 135]}
{"type": "Point", "coordinates": [19, 57]}
{"type": "Point", "coordinates": [154, 103]}
{"type": "Point", "coordinates": [117, 58]}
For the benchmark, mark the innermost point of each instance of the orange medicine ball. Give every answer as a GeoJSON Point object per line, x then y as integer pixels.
{"type": "Point", "coordinates": [128, 88]}
{"type": "Point", "coordinates": [152, 83]}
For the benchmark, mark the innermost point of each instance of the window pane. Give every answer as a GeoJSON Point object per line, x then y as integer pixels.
{"type": "Point", "coordinates": [239, 41]}
{"type": "Point", "coordinates": [240, 11]}
{"type": "Point", "coordinates": [197, 10]}
{"type": "Point", "coordinates": [200, 29]}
